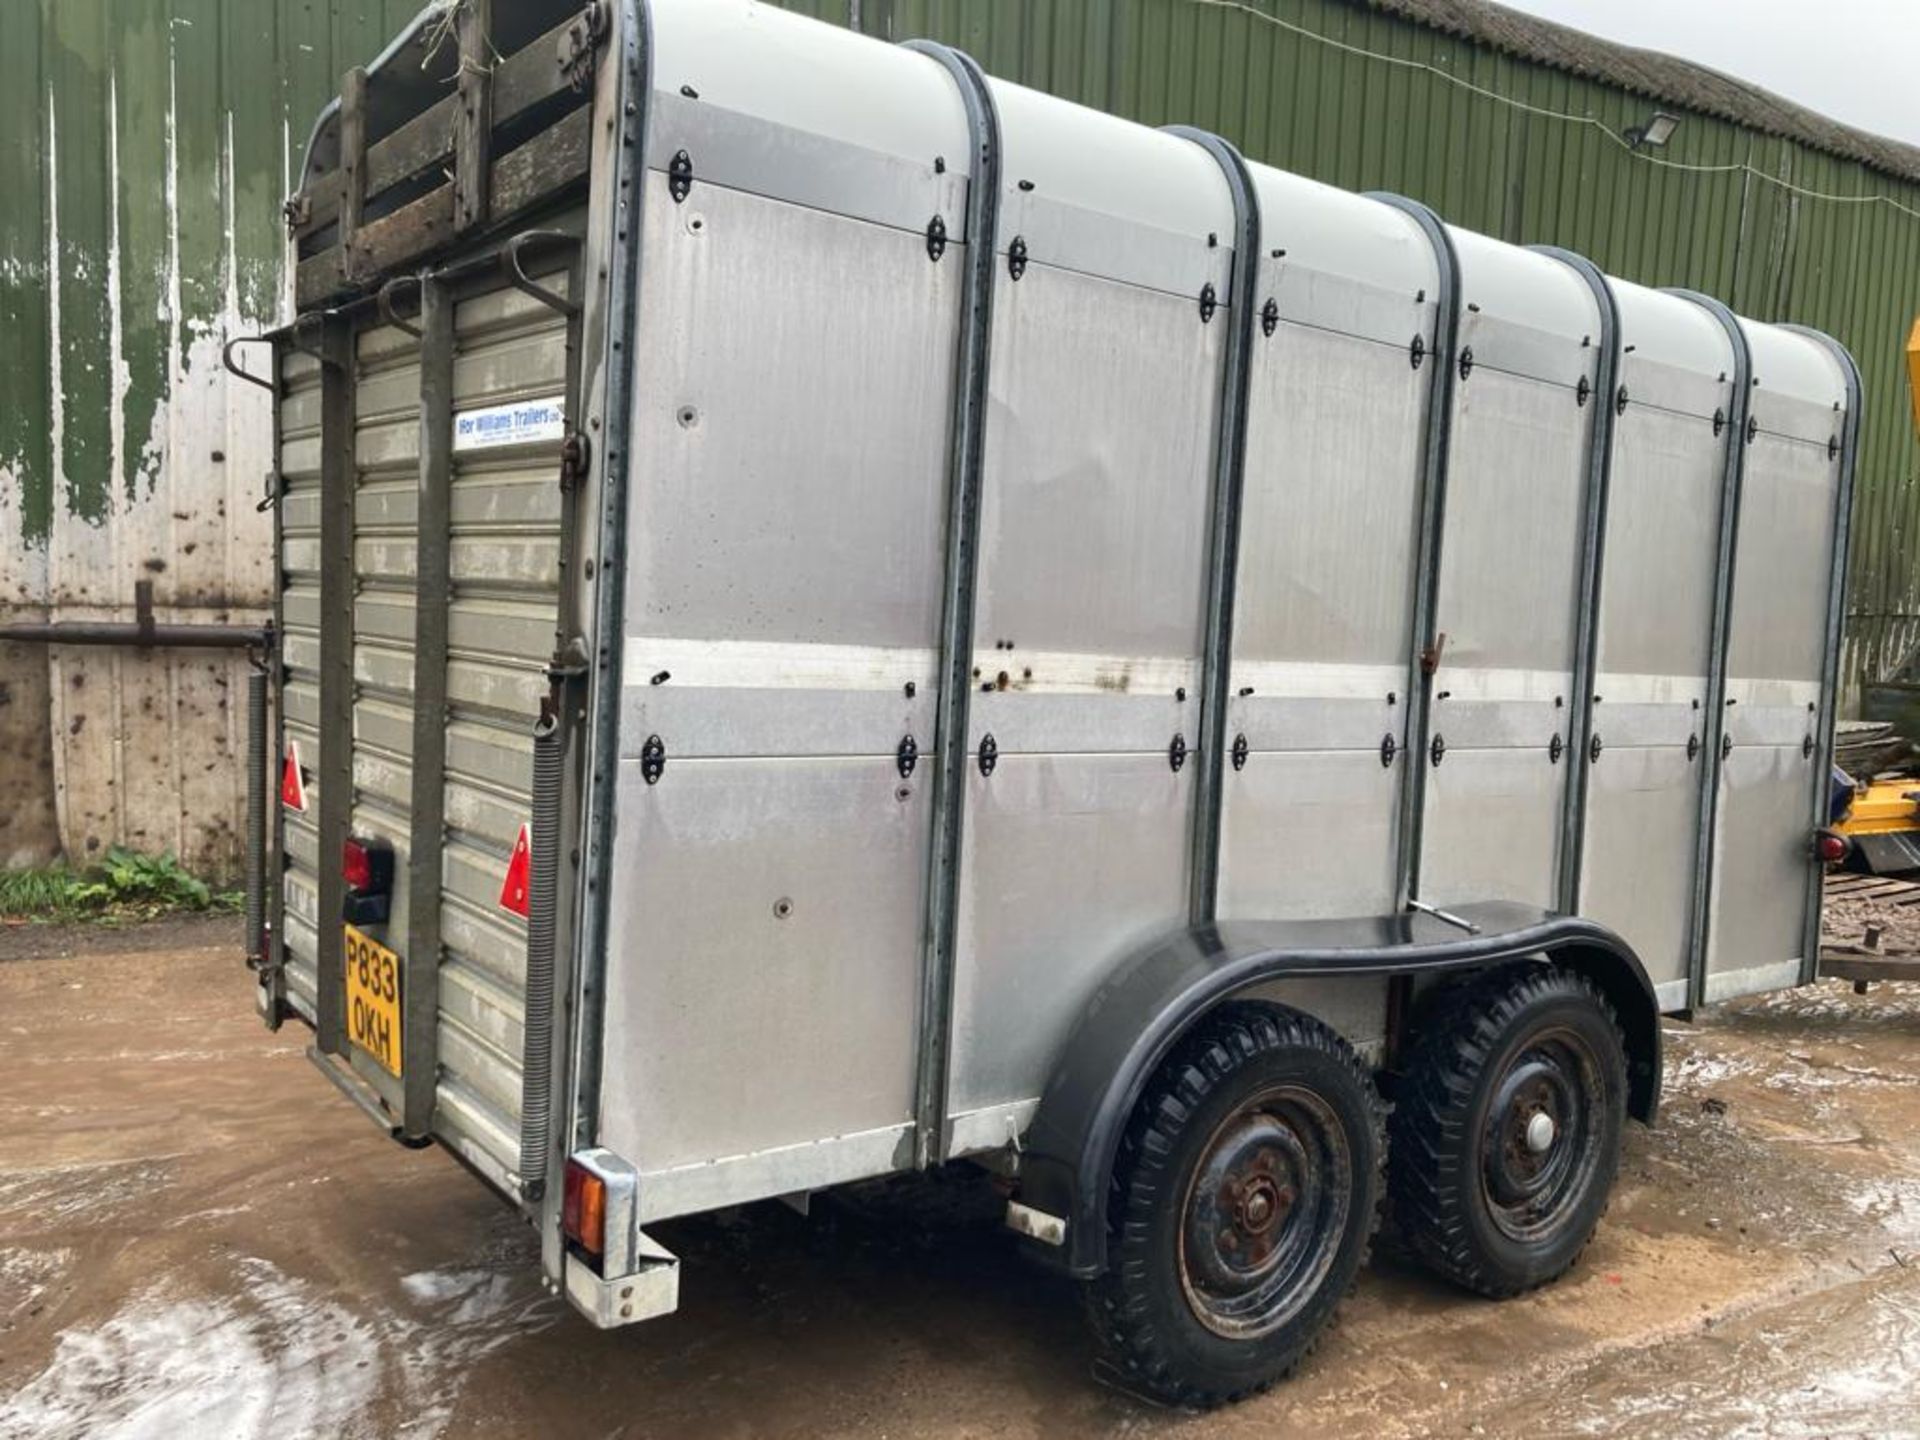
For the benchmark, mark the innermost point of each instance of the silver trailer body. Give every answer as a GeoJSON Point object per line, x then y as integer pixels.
{"type": "Point", "coordinates": [825, 559]}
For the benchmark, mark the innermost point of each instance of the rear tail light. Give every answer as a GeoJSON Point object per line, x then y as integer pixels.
{"type": "Point", "coordinates": [367, 867]}
{"type": "Point", "coordinates": [583, 1209]}
{"type": "Point", "coordinates": [1831, 847]}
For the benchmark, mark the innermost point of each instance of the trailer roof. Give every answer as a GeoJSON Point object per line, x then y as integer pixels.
{"type": "Point", "coordinates": [815, 78]}
{"type": "Point", "coordinates": [1525, 287]}
{"type": "Point", "coordinates": [1337, 232]}
{"type": "Point", "coordinates": [1658, 76]}
{"type": "Point", "coordinates": [1672, 331]}
{"type": "Point", "coordinates": [1787, 362]}
{"type": "Point", "coordinates": [1105, 165]}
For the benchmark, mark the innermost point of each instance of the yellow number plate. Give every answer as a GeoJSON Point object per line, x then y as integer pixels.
{"type": "Point", "coordinates": [373, 999]}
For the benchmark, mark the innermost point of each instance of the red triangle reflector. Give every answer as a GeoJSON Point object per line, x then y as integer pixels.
{"type": "Point", "coordinates": [513, 890]}
{"type": "Point", "coordinates": [293, 784]}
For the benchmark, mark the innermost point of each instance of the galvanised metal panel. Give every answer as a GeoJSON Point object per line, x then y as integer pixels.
{"type": "Point", "coordinates": [1307, 833]}
{"type": "Point", "coordinates": [1654, 629]}
{"type": "Point", "coordinates": [1642, 817]}
{"type": "Point", "coordinates": [1091, 590]}
{"type": "Point", "coordinates": [1070, 863]}
{"type": "Point", "coordinates": [764, 987]}
{"type": "Point", "coordinates": [1330, 511]}
{"type": "Point", "coordinates": [783, 610]}
{"type": "Point", "coordinates": [505, 508]}
{"type": "Point", "coordinates": [1508, 590]}
{"type": "Point", "coordinates": [1776, 654]}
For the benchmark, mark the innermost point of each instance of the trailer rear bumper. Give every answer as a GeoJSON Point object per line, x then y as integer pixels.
{"type": "Point", "coordinates": [652, 1289]}
{"type": "Point", "coordinates": [1135, 1020]}
{"type": "Point", "coordinates": [638, 1278]}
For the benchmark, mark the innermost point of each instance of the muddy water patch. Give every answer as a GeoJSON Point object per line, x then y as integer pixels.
{"type": "Point", "coordinates": [276, 1355]}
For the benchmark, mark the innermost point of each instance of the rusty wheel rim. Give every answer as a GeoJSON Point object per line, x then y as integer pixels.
{"type": "Point", "coordinates": [1539, 1146]}
{"type": "Point", "coordinates": [1264, 1213]}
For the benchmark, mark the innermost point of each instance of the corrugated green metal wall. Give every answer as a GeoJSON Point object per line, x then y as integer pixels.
{"type": "Point", "coordinates": [145, 146]}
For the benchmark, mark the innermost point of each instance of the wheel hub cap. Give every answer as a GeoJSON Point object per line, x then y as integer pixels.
{"type": "Point", "coordinates": [1540, 1133]}
{"type": "Point", "coordinates": [1538, 1153]}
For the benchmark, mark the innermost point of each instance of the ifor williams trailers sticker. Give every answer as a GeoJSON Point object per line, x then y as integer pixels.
{"type": "Point", "coordinates": [524, 422]}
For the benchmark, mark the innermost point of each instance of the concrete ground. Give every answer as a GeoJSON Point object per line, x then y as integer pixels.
{"type": "Point", "coordinates": [200, 1238]}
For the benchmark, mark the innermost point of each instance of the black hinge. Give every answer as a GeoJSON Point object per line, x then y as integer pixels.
{"type": "Point", "coordinates": [1240, 751]}
{"type": "Point", "coordinates": [1583, 392]}
{"type": "Point", "coordinates": [1806, 748]}
{"type": "Point", "coordinates": [298, 210]}
{"type": "Point", "coordinates": [1693, 748]}
{"type": "Point", "coordinates": [1270, 316]}
{"type": "Point", "coordinates": [575, 451]}
{"type": "Point", "coordinates": [583, 37]}
{"type": "Point", "coordinates": [1209, 302]}
{"type": "Point", "coordinates": [1466, 362]}
{"type": "Point", "coordinates": [1753, 427]}
{"type": "Point", "coordinates": [1437, 751]}
{"type": "Point", "coordinates": [1417, 351]}
{"type": "Point", "coordinates": [1726, 746]}
{"type": "Point", "coordinates": [1593, 750]}
{"type": "Point", "coordinates": [1556, 747]}
{"type": "Point", "coordinates": [1177, 753]}
{"type": "Point", "coordinates": [1620, 401]}
{"type": "Point", "coordinates": [680, 176]}
{"type": "Point", "coordinates": [1719, 422]}
{"type": "Point", "coordinates": [1017, 257]}
{"type": "Point", "coordinates": [1389, 747]}
{"type": "Point", "coordinates": [989, 754]}
{"type": "Point", "coordinates": [653, 759]}
{"type": "Point", "coordinates": [936, 238]}
{"type": "Point", "coordinates": [907, 756]}
{"type": "Point", "coordinates": [1833, 447]}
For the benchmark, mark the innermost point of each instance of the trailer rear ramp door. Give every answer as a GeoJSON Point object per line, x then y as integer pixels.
{"type": "Point", "coordinates": [456, 396]}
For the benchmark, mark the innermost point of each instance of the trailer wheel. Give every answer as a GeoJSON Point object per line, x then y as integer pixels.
{"type": "Point", "coordinates": [1506, 1127]}
{"type": "Point", "coordinates": [1245, 1195]}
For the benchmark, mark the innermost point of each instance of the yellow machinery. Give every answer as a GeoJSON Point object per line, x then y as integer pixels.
{"type": "Point", "coordinates": [1883, 820]}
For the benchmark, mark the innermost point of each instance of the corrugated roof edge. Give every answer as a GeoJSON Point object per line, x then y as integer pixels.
{"type": "Point", "coordinates": [1663, 78]}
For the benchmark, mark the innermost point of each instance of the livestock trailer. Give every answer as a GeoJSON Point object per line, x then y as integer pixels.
{"type": "Point", "coordinates": [839, 615]}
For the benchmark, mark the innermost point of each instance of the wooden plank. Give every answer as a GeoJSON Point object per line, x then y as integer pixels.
{"type": "Point", "coordinates": [473, 124]}
{"type": "Point", "coordinates": [521, 81]}
{"type": "Point", "coordinates": [555, 157]}
{"type": "Point", "coordinates": [550, 161]}
{"type": "Point", "coordinates": [1877, 967]}
{"type": "Point", "coordinates": [353, 164]}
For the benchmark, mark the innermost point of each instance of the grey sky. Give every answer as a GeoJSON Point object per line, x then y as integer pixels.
{"type": "Point", "coordinates": [1856, 60]}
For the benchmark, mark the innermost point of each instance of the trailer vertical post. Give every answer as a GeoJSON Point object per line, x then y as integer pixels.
{"type": "Point", "coordinates": [1822, 735]}
{"type": "Point", "coordinates": [957, 603]}
{"type": "Point", "coordinates": [1716, 704]}
{"type": "Point", "coordinates": [1606, 405]}
{"type": "Point", "coordinates": [336, 672]}
{"type": "Point", "coordinates": [1223, 549]}
{"type": "Point", "coordinates": [623, 91]}
{"type": "Point", "coordinates": [432, 587]}
{"type": "Point", "coordinates": [1433, 505]}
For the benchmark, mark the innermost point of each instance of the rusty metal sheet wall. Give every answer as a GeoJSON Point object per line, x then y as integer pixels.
{"type": "Point", "coordinates": [145, 148]}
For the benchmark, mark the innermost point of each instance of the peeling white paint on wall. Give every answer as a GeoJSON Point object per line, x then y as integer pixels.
{"type": "Point", "coordinates": [146, 747]}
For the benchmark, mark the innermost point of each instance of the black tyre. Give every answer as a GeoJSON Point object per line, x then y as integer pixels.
{"type": "Point", "coordinates": [1506, 1128]}
{"type": "Point", "coordinates": [1244, 1199]}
